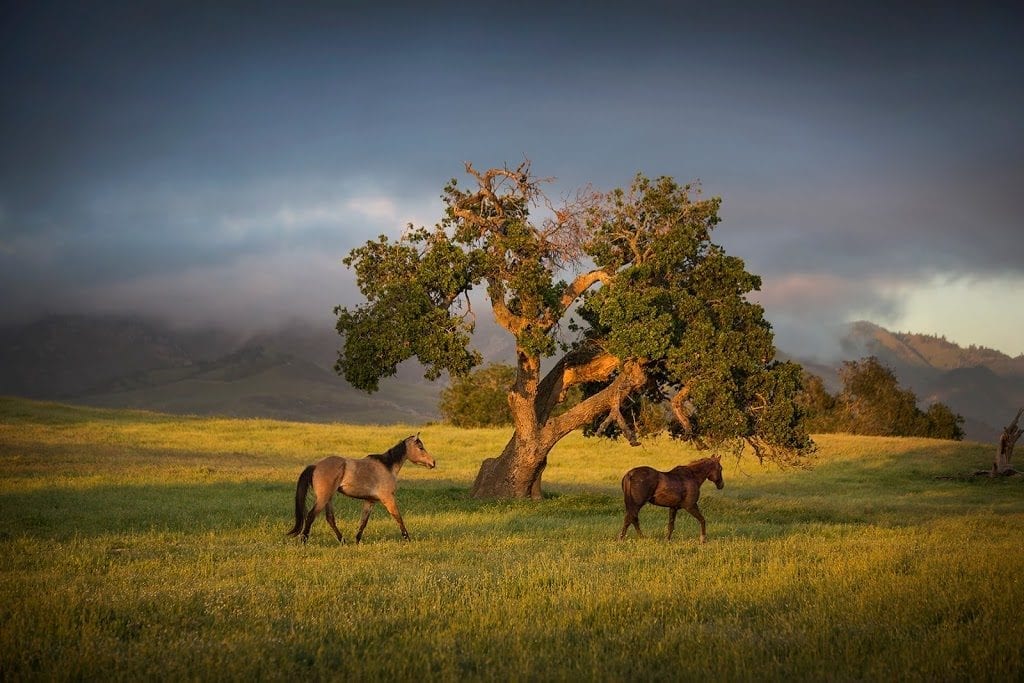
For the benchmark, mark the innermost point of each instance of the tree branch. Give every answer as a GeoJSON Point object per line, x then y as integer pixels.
{"type": "Point", "coordinates": [596, 369]}
{"type": "Point", "coordinates": [615, 415]}
{"type": "Point", "coordinates": [507, 319]}
{"type": "Point", "coordinates": [631, 377]}
{"type": "Point", "coordinates": [581, 284]}
{"type": "Point", "coordinates": [680, 410]}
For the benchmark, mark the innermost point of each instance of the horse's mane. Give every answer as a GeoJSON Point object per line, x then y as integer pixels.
{"type": "Point", "coordinates": [392, 455]}
{"type": "Point", "coordinates": [701, 466]}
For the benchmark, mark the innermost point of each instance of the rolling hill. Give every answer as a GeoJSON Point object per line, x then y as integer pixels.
{"type": "Point", "coordinates": [984, 385]}
{"type": "Point", "coordinates": [127, 361]}
{"type": "Point", "coordinates": [287, 373]}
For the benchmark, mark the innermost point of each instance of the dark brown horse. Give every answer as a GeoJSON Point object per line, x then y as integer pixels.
{"type": "Point", "coordinates": [371, 479]}
{"type": "Point", "coordinates": [677, 488]}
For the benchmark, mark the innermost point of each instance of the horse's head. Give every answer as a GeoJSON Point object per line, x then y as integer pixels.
{"type": "Point", "coordinates": [715, 471]}
{"type": "Point", "coordinates": [416, 452]}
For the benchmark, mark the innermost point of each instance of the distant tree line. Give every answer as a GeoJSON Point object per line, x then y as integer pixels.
{"type": "Point", "coordinates": [870, 402]}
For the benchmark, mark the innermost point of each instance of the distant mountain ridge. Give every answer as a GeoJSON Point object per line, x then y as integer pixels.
{"type": "Point", "coordinates": [984, 385]}
{"type": "Point", "coordinates": [923, 350]}
{"type": "Point", "coordinates": [287, 373]}
{"type": "Point", "coordinates": [135, 362]}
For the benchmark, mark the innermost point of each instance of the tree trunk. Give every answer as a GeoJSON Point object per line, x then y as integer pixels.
{"type": "Point", "coordinates": [516, 473]}
{"type": "Point", "coordinates": [1002, 467]}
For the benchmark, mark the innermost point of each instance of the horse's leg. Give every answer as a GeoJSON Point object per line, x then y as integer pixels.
{"type": "Point", "coordinates": [329, 513]}
{"type": "Point", "coordinates": [695, 511]}
{"type": "Point", "coordinates": [367, 507]}
{"type": "Point", "coordinates": [310, 516]}
{"type": "Point", "coordinates": [633, 517]}
{"type": "Point", "coordinates": [392, 505]}
{"type": "Point", "coordinates": [323, 485]}
{"type": "Point", "coordinates": [671, 522]}
{"type": "Point", "coordinates": [625, 526]}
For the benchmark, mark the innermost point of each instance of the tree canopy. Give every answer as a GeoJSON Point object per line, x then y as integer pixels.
{"type": "Point", "coordinates": [654, 307]}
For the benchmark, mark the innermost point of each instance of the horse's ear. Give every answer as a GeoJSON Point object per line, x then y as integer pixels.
{"type": "Point", "coordinates": [718, 458]}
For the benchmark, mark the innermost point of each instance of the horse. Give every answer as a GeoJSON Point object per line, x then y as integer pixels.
{"type": "Point", "coordinates": [370, 479]}
{"type": "Point", "coordinates": [677, 488]}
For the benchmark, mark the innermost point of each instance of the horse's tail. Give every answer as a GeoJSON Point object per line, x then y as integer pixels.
{"type": "Point", "coordinates": [301, 489]}
{"type": "Point", "coordinates": [627, 487]}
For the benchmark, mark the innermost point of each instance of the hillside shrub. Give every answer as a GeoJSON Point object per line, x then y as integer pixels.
{"type": "Point", "coordinates": [872, 402]}
{"type": "Point", "coordinates": [479, 399]}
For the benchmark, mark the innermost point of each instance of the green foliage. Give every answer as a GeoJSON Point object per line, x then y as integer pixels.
{"type": "Point", "coordinates": [407, 314]}
{"type": "Point", "coordinates": [479, 399]}
{"type": "Point", "coordinates": [817, 404]}
{"type": "Point", "coordinates": [872, 402]}
{"type": "Point", "coordinates": [943, 423]}
{"type": "Point", "coordinates": [671, 302]}
{"type": "Point", "coordinates": [679, 305]}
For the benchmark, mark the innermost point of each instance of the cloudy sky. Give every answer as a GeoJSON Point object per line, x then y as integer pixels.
{"type": "Point", "coordinates": [215, 161]}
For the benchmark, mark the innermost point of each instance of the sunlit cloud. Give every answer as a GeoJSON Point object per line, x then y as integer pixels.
{"type": "Point", "coordinates": [377, 208]}
{"type": "Point", "coordinates": [288, 219]}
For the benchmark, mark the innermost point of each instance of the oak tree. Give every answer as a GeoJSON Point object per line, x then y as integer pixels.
{"type": "Point", "coordinates": [654, 308]}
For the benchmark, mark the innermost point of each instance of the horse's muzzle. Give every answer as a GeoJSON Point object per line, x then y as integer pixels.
{"type": "Point", "coordinates": [720, 484]}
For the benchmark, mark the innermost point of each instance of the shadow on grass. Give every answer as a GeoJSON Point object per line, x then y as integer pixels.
{"type": "Point", "coordinates": [229, 506]}
{"type": "Point", "coordinates": [902, 489]}
{"type": "Point", "coordinates": [898, 491]}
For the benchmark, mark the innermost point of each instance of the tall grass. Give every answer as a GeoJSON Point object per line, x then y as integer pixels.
{"type": "Point", "coordinates": [137, 545]}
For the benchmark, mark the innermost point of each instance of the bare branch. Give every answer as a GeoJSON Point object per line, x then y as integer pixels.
{"type": "Point", "coordinates": [615, 415]}
{"type": "Point", "coordinates": [581, 284]}
{"type": "Point", "coordinates": [506, 318]}
{"type": "Point", "coordinates": [470, 314]}
{"type": "Point", "coordinates": [1007, 442]}
{"type": "Point", "coordinates": [568, 232]}
{"type": "Point", "coordinates": [681, 410]}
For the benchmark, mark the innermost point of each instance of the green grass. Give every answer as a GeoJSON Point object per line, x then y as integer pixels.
{"type": "Point", "coordinates": [137, 545]}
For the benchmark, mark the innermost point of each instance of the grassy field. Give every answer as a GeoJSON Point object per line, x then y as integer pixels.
{"type": "Point", "coordinates": [137, 545]}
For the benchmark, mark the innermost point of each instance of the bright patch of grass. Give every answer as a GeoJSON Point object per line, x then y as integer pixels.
{"type": "Point", "coordinates": [138, 545]}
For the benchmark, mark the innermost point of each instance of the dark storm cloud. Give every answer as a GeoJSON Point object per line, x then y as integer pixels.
{"type": "Point", "coordinates": [143, 141]}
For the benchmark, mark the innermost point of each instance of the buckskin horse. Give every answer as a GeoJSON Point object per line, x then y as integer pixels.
{"type": "Point", "coordinates": [677, 488]}
{"type": "Point", "coordinates": [371, 479]}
